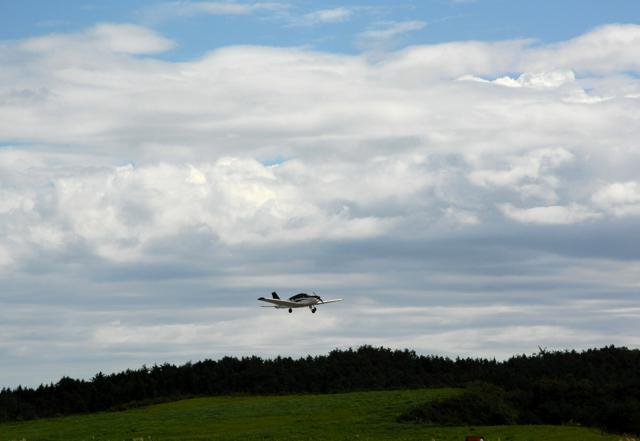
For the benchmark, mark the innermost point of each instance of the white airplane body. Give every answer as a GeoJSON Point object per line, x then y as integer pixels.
{"type": "Point", "coordinates": [301, 300]}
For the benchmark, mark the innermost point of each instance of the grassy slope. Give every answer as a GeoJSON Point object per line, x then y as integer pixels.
{"type": "Point", "coordinates": [361, 416]}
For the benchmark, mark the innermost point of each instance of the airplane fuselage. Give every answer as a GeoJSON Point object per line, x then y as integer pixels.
{"type": "Point", "coordinates": [301, 300]}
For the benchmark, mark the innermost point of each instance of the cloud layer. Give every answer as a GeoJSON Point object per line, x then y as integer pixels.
{"type": "Point", "coordinates": [465, 198]}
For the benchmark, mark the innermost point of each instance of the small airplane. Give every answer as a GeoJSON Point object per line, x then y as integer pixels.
{"type": "Point", "coordinates": [298, 301]}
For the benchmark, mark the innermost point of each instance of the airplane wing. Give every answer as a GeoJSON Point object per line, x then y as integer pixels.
{"type": "Point", "coordinates": [330, 301]}
{"type": "Point", "coordinates": [279, 302]}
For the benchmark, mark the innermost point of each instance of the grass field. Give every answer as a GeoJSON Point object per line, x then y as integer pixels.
{"type": "Point", "coordinates": [353, 416]}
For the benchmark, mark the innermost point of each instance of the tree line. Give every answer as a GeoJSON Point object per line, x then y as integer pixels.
{"type": "Point", "coordinates": [596, 387]}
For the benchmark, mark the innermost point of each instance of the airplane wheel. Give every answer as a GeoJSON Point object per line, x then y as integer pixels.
{"type": "Point", "coordinates": [313, 310]}
{"type": "Point", "coordinates": [290, 310]}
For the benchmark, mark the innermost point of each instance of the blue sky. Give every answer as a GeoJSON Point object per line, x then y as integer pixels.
{"type": "Point", "coordinates": [463, 173]}
{"type": "Point", "coordinates": [288, 23]}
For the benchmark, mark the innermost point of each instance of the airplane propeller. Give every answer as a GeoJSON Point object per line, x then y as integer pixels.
{"type": "Point", "coordinates": [319, 298]}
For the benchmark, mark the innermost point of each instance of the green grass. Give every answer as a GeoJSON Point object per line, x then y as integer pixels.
{"type": "Point", "coordinates": [353, 416]}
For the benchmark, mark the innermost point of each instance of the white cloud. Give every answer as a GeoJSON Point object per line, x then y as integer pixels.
{"type": "Point", "coordinates": [382, 37]}
{"type": "Point", "coordinates": [334, 15]}
{"type": "Point", "coordinates": [393, 29]}
{"type": "Point", "coordinates": [457, 59]}
{"type": "Point", "coordinates": [549, 215]}
{"type": "Point", "coordinates": [130, 39]}
{"type": "Point", "coordinates": [120, 211]}
{"type": "Point", "coordinates": [546, 81]}
{"type": "Point", "coordinates": [607, 49]}
{"type": "Point", "coordinates": [460, 216]}
{"type": "Point", "coordinates": [531, 175]}
{"type": "Point", "coordinates": [528, 167]}
{"type": "Point", "coordinates": [129, 181]}
{"type": "Point", "coordinates": [166, 11]}
{"type": "Point", "coordinates": [114, 37]}
{"type": "Point", "coordinates": [404, 115]}
{"type": "Point", "coordinates": [232, 8]}
{"type": "Point", "coordinates": [580, 96]}
{"type": "Point", "coordinates": [537, 80]}
{"type": "Point", "coordinates": [619, 198]}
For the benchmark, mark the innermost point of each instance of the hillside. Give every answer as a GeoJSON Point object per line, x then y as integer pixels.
{"type": "Point", "coordinates": [595, 388]}
{"type": "Point", "coordinates": [349, 416]}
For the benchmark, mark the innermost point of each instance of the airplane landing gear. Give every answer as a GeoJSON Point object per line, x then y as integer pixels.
{"type": "Point", "coordinates": [290, 310]}
{"type": "Point", "coordinates": [313, 310]}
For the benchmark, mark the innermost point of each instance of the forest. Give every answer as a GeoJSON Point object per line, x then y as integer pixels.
{"type": "Point", "coordinates": [596, 387]}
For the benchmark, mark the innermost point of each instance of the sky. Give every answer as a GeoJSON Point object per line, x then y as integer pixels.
{"type": "Point", "coordinates": [464, 174]}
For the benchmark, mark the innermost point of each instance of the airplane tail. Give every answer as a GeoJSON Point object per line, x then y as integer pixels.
{"type": "Point", "coordinates": [275, 295]}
